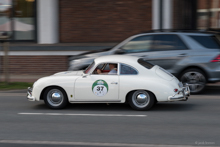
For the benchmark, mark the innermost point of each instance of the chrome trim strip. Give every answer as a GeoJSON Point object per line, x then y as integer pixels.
{"type": "Point", "coordinates": [89, 101]}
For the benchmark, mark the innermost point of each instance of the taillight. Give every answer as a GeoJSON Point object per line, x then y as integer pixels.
{"type": "Point", "coordinates": [175, 90]}
{"type": "Point", "coordinates": [217, 59]}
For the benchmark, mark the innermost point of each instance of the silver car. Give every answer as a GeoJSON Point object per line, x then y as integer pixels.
{"type": "Point", "coordinates": [193, 57]}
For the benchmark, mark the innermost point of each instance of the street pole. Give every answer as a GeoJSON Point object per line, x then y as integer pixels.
{"type": "Point", "coordinates": [5, 44]}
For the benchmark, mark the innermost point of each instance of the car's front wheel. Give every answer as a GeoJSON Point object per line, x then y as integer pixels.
{"type": "Point", "coordinates": [141, 100]}
{"type": "Point", "coordinates": [55, 98]}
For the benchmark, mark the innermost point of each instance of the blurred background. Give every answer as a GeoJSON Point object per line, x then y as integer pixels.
{"type": "Point", "coordinates": [45, 33]}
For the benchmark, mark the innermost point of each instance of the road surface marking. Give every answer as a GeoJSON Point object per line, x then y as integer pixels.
{"type": "Point", "coordinates": [72, 114]}
{"type": "Point", "coordinates": [90, 143]}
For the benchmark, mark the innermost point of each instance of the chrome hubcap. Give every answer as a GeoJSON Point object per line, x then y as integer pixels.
{"type": "Point", "coordinates": [195, 80]}
{"type": "Point", "coordinates": [140, 99]}
{"type": "Point", "coordinates": [55, 97]}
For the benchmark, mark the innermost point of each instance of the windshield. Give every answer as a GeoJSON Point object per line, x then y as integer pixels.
{"type": "Point", "coordinates": [88, 69]}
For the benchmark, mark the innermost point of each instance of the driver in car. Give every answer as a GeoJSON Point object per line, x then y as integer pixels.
{"type": "Point", "coordinates": [113, 69]}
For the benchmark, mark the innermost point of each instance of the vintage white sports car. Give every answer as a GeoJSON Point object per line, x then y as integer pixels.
{"type": "Point", "coordinates": [111, 79]}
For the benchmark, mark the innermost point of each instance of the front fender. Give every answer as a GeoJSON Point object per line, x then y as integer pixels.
{"type": "Point", "coordinates": [67, 83]}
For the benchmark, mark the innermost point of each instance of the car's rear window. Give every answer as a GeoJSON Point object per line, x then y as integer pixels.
{"type": "Point", "coordinates": [210, 42]}
{"type": "Point", "coordinates": [144, 63]}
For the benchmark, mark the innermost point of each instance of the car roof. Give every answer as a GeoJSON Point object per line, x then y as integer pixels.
{"type": "Point", "coordinates": [183, 33]}
{"type": "Point", "coordinates": [186, 32]}
{"type": "Point", "coordinates": [117, 59]}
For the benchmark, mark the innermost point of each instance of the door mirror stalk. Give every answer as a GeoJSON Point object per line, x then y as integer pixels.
{"type": "Point", "coordinates": [85, 75]}
{"type": "Point", "coordinates": [120, 51]}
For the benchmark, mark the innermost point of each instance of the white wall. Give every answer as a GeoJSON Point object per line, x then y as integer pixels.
{"type": "Point", "coordinates": [167, 14]}
{"type": "Point", "coordinates": [48, 21]}
{"type": "Point", "coordinates": [155, 14]}
{"type": "Point", "coordinates": [167, 22]}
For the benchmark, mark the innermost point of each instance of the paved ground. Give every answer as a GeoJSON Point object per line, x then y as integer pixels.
{"type": "Point", "coordinates": [192, 123]}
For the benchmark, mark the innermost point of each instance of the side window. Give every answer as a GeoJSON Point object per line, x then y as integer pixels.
{"type": "Point", "coordinates": [100, 66]}
{"type": "Point", "coordinates": [210, 42]}
{"type": "Point", "coordinates": [127, 70]}
{"type": "Point", "coordinates": [106, 69]}
{"type": "Point", "coordinates": [138, 44]}
{"type": "Point", "coordinates": [168, 42]}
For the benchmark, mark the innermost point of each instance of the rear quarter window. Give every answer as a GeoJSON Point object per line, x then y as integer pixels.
{"type": "Point", "coordinates": [210, 42]}
{"type": "Point", "coordinates": [145, 63]}
{"type": "Point", "coordinates": [127, 70]}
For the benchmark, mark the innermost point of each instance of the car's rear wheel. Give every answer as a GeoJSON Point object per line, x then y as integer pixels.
{"type": "Point", "coordinates": [55, 98]}
{"type": "Point", "coordinates": [141, 100]}
{"type": "Point", "coordinates": [195, 78]}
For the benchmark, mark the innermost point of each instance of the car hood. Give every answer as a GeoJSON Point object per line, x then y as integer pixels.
{"type": "Point", "coordinates": [69, 73]}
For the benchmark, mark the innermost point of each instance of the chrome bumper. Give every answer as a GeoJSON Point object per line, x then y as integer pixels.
{"type": "Point", "coordinates": [30, 97]}
{"type": "Point", "coordinates": [181, 95]}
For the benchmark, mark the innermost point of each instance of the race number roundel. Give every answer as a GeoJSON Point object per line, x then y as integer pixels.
{"type": "Point", "coordinates": [100, 88]}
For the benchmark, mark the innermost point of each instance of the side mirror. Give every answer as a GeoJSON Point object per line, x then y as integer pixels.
{"type": "Point", "coordinates": [85, 75]}
{"type": "Point", "coordinates": [120, 51]}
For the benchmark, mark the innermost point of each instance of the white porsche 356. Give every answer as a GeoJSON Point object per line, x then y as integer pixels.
{"type": "Point", "coordinates": [111, 79]}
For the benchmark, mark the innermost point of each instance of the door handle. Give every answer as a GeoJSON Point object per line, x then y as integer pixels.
{"type": "Point", "coordinates": [114, 83]}
{"type": "Point", "coordinates": [182, 55]}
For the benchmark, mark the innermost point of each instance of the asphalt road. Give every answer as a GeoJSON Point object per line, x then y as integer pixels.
{"type": "Point", "coordinates": [195, 122]}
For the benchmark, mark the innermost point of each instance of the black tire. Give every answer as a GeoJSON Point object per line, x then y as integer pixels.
{"type": "Point", "coordinates": [196, 79]}
{"type": "Point", "coordinates": [155, 102]}
{"type": "Point", "coordinates": [55, 98]}
{"type": "Point", "coordinates": [141, 103]}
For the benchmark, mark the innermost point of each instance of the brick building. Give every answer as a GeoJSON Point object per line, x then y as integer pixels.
{"type": "Point", "coordinates": [57, 28]}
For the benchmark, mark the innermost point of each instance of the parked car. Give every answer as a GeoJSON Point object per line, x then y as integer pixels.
{"type": "Point", "coordinates": [111, 79]}
{"type": "Point", "coordinates": [193, 57]}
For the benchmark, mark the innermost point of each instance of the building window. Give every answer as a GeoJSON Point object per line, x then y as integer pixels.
{"type": "Point", "coordinates": [208, 14]}
{"type": "Point", "coordinates": [17, 17]}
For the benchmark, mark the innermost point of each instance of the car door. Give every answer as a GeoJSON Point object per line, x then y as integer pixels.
{"type": "Point", "coordinates": [97, 88]}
